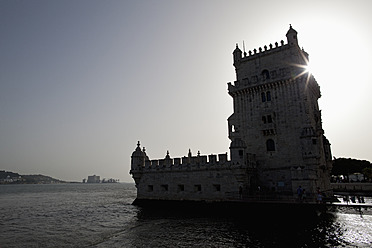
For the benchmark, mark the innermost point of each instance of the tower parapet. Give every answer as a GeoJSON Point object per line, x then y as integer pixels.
{"type": "Point", "coordinates": [270, 63]}
{"type": "Point", "coordinates": [265, 50]}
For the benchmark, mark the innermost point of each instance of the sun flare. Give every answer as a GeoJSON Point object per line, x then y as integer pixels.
{"type": "Point", "coordinates": [307, 68]}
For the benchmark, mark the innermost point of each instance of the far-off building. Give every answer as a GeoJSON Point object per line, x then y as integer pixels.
{"type": "Point", "coordinates": [277, 139]}
{"type": "Point", "coordinates": [94, 179]}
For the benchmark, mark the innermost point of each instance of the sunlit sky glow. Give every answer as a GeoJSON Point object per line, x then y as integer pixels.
{"type": "Point", "coordinates": [82, 81]}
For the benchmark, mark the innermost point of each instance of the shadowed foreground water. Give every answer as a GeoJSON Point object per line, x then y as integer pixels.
{"type": "Point", "coordinates": [101, 215]}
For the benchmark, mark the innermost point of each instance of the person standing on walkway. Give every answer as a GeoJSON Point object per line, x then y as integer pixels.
{"type": "Point", "coordinates": [299, 193]}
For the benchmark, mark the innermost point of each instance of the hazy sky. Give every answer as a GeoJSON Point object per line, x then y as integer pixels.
{"type": "Point", "coordinates": [82, 81]}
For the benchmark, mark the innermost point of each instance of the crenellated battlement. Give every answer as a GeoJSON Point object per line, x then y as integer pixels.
{"type": "Point", "coordinates": [141, 162]}
{"type": "Point", "coordinates": [198, 162]}
{"type": "Point", "coordinates": [271, 62]}
{"type": "Point", "coordinates": [266, 50]}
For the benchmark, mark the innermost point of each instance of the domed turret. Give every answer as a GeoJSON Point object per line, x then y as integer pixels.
{"type": "Point", "coordinates": [292, 36]}
{"type": "Point", "coordinates": [237, 54]}
{"type": "Point", "coordinates": [238, 151]}
{"type": "Point", "coordinates": [138, 158]}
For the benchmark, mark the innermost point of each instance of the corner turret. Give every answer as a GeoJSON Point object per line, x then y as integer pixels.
{"type": "Point", "coordinates": [237, 54]}
{"type": "Point", "coordinates": [292, 36]}
{"type": "Point", "coordinates": [138, 158]}
{"type": "Point", "coordinates": [238, 151]}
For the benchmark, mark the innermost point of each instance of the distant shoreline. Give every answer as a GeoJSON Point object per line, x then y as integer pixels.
{"type": "Point", "coordinates": [7, 177]}
{"type": "Point", "coordinates": [63, 182]}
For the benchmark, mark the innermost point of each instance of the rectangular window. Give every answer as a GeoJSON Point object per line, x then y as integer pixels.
{"type": "Point", "coordinates": [164, 187]}
{"type": "Point", "coordinates": [241, 153]}
{"type": "Point", "coordinates": [197, 188]}
{"type": "Point", "coordinates": [217, 187]}
{"type": "Point", "coordinates": [268, 96]}
{"type": "Point", "coordinates": [263, 97]}
{"type": "Point", "coordinates": [180, 188]}
{"type": "Point", "coordinates": [270, 145]}
{"type": "Point", "coordinates": [269, 119]}
{"type": "Point", "coordinates": [232, 128]}
{"type": "Point", "coordinates": [150, 188]}
{"type": "Point", "coordinates": [314, 141]}
{"type": "Point", "coordinates": [264, 119]}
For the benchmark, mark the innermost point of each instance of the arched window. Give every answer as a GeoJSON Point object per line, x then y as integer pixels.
{"type": "Point", "coordinates": [265, 74]}
{"type": "Point", "coordinates": [270, 145]}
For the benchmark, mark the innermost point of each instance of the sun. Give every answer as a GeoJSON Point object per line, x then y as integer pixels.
{"type": "Point", "coordinates": [307, 68]}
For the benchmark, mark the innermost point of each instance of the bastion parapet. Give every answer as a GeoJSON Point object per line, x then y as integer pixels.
{"type": "Point", "coordinates": [187, 163]}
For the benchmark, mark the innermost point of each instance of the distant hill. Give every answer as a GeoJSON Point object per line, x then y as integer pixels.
{"type": "Point", "coordinates": [7, 177]}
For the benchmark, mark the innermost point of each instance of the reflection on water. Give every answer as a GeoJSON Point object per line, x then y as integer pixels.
{"type": "Point", "coordinates": [175, 229]}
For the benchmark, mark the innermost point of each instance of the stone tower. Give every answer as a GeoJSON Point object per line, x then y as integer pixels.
{"type": "Point", "coordinates": [277, 118]}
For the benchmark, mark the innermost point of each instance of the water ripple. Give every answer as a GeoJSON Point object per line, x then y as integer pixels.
{"type": "Point", "coordinates": [82, 215]}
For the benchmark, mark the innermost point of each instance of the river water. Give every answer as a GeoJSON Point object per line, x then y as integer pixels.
{"type": "Point", "coordinates": [101, 215]}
